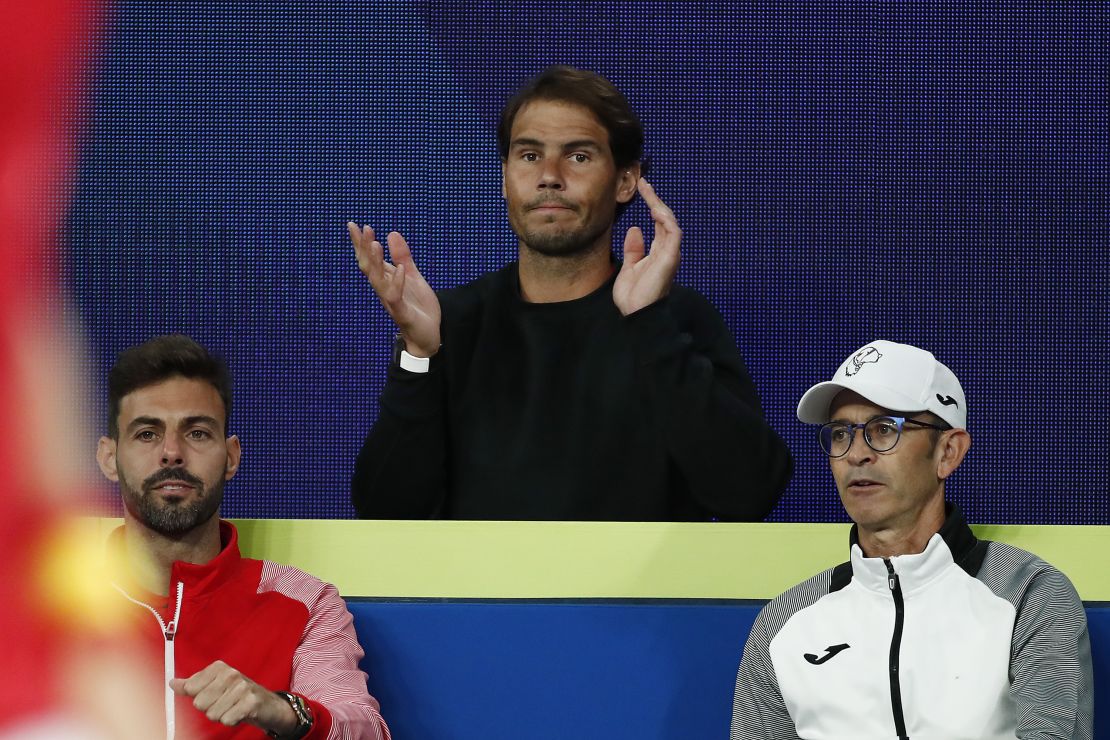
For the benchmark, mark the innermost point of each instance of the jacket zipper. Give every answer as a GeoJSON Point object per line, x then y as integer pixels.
{"type": "Point", "coordinates": [895, 651]}
{"type": "Point", "coordinates": [169, 631]}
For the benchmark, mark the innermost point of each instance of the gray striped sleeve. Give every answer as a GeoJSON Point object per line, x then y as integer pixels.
{"type": "Point", "coordinates": [758, 710]}
{"type": "Point", "coordinates": [1050, 657]}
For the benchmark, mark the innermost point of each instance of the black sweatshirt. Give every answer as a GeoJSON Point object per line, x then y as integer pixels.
{"type": "Point", "coordinates": [571, 411]}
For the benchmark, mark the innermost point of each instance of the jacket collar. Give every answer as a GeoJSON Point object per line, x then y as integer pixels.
{"type": "Point", "coordinates": [200, 579]}
{"type": "Point", "coordinates": [953, 543]}
{"type": "Point", "coordinates": [915, 572]}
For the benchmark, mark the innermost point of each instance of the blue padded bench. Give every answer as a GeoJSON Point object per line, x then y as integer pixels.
{"type": "Point", "coordinates": [608, 669]}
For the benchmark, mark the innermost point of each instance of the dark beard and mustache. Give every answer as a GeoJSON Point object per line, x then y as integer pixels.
{"type": "Point", "coordinates": [172, 519]}
{"type": "Point", "coordinates": [564, 242]}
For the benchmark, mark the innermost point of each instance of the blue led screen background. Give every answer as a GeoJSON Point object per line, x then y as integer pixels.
{"type": "Point", "coordinates": [920, 172]}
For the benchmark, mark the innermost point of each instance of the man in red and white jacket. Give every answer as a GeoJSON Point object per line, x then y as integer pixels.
{"type": "Point", "coordinates": [251, 648]}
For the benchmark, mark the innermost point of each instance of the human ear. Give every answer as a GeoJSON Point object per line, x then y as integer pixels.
{"type": "Point", "coordinates": [106, 458]}
{"type": "Point", "coordinates": [234, 454]}
{"type": "Point", "coordinates": [951, 449]}
{"type": "Point", "coordinates": [627, 178]}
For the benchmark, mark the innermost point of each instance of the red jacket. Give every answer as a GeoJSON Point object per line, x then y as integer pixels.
{"type": "Point", "coordinates": [277, 625]}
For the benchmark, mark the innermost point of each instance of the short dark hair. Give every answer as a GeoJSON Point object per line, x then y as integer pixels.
{"type": "Point", "coordinates": [162, 358]}
{"type": "Point", "coordinates": [589, 90]}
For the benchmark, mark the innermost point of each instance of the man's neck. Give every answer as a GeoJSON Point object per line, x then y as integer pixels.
{"type": "Point", "coordinates": [150, 555]}
{"type": "Point", "coordinates": [548, 279]}
{"type": "Point", "coordinates": [907, 540]}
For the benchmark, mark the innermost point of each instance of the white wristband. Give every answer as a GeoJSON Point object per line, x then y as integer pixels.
{"type": "Point", "coordinates": [414, 364]}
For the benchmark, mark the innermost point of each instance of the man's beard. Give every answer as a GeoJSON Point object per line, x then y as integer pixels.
{"type": "Point", "coordinates": [172, 519]}
{"type": "Point", "coordinates": [565, 241]}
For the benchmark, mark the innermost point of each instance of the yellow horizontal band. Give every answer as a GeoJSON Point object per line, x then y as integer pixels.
{"type": "Point", "coordinates": [534, 560]}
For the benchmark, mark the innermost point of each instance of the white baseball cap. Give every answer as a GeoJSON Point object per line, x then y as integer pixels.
{"type": "Point", "coordinates": [895, 376]}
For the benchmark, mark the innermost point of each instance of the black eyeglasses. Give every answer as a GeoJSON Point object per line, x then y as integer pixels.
{"type": "Point", "coordinates": [881, 434]}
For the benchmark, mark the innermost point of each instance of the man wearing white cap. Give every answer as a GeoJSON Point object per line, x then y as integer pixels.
{"type": "Point", "coordinates": [926, 631]}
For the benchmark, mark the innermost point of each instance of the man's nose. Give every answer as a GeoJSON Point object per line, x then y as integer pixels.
{"type": "Point", "coordinates": [858, 450]}
{"type": "Point", "coordinates": [172, 450]}
{"type": "Point", "coordinates": [551, 175]}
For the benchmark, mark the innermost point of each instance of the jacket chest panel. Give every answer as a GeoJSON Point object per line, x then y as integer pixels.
{"type": "Point", "coordinates": [953, 658]}
{"type": "Point", "coordinates": [255, 633]}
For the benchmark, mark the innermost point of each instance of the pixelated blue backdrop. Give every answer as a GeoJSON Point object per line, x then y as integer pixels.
{"type": "Point", "coordinates": [934, 173]}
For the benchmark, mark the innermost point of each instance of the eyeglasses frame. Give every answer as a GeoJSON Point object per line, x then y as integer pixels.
{"type": "Point", "coordinates": [899, 423]}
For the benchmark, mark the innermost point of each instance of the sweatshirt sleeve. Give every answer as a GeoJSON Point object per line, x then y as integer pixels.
{"type": "Point", "coordinates": [723, 451]}
{"type": "Point", "coordinates": [401, 471]}
{"type": "Point", "coordinates": [326, 673]}
{"type": "Point", "coordinates": [758, 709]}
{"type": "Point", "coordinates": [1050, 666]}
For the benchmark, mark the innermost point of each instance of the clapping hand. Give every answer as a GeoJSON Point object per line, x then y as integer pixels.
{"type": "Point", "coordinates": [400, 287]}
{"type": "Point", "coordinates": [645, 279]}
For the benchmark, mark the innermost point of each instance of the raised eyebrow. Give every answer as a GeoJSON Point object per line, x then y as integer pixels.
{"type": "Point", "coordinates": [590, 144]}
{"type": "Point", "coordinates": [145, 421]}
{"type": "Point", "coordinates": [525, 144]}
{"type": "Point", "coordinates": [568, 146]}
{"type": "Point", "coordinates": [867, 420]}
{"type": "Point", "coordinates": [200, 419]}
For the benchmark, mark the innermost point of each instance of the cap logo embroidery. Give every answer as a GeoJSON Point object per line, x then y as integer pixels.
{"type": "Point", "coordinates": [948, 401]}
{"type": "Point", "coordinates": [859, 359]}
